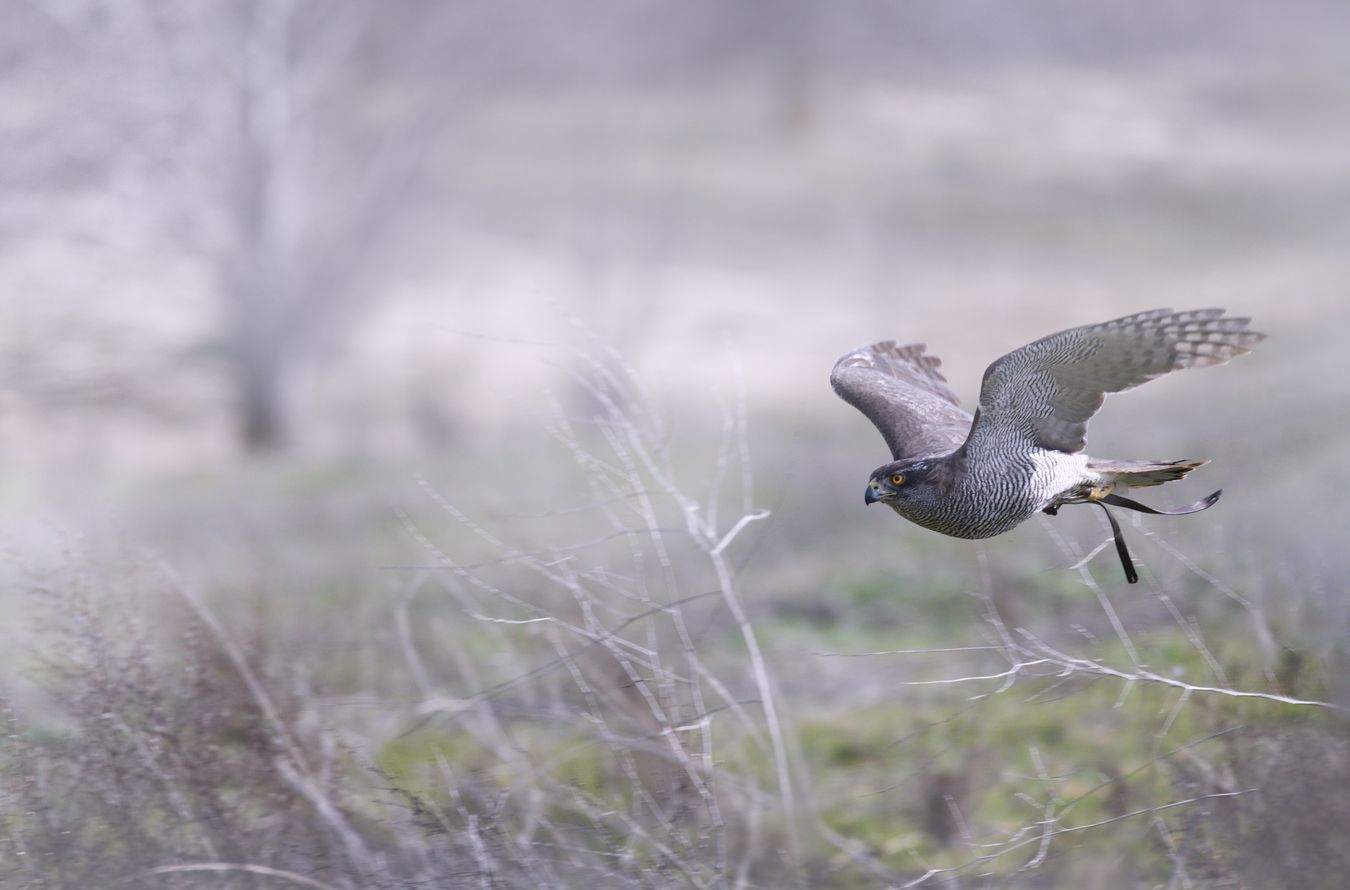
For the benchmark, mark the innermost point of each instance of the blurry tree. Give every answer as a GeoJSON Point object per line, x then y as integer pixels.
{"type": "Point", "coordinates": [272, 146]}
{"type": "Point", "coordinates": [328, 111]}
{"type": "Point", "coordinates": [793, 38]}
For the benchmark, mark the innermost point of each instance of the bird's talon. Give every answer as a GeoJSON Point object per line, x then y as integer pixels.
{"type": "Point", "coordinates": [1101, 491]}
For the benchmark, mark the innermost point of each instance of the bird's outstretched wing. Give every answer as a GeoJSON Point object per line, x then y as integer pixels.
{"type": "Point", "coordinates": [901, 391]}
{"type": "Point", "coordinates": [1043, 394]}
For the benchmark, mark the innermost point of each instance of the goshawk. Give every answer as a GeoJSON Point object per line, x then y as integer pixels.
{"type": "Point", "coordinates": [975, 477]}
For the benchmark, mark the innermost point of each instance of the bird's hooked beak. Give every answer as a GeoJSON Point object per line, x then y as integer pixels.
{"type": "Point", "coordinates": [873, 493]}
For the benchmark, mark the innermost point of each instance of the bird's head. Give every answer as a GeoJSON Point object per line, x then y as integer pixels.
{"type": "Point", "coordinates": [900, 481]}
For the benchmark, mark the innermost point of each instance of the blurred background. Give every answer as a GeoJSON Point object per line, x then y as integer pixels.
{"type": "Point", "coordinates": [277, 275]}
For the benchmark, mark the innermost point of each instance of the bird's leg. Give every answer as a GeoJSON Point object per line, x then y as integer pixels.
{"type": "Point", "coordinates": [1100, 492]}
{"type": "Point", "coordinates": [1086, 493]}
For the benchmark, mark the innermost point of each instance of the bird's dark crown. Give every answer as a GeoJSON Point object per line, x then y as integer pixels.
{"type": "Point", "coordinates": [898, 478]}
{"type": "Point", "coordinates": [912, 470]}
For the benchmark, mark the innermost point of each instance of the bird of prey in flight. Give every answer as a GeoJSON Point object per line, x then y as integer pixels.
{"type": "Point", "coordinates": [1022, 451]}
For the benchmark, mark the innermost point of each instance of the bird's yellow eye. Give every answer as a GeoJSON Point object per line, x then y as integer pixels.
{"type": "Point", "coordinates": [897, 478]}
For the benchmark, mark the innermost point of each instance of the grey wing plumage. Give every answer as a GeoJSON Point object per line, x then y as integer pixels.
{"type": "Point", "coordinates": [1043, 394]}
{"type": "Point", "coordinates": [900, 389]}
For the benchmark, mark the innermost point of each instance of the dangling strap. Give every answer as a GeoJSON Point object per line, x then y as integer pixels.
{"type": "Point", "coordinates": [1204, 503]}
{"type": "Point", "coordinates": [1116, 500]}
{"type": "Point", "coordinates": [1130, 574]}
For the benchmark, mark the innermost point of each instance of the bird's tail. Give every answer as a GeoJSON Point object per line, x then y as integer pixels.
{"type": "Point", "coordinates": [1143, 473]}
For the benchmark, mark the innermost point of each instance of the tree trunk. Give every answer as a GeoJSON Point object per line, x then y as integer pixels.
{"type": "Point", "coordinates": [260, 400]}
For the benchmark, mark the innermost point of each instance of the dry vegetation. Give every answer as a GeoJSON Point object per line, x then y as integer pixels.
{"type": "Point", "coordinates": [586, 694]}
{"type": "Point", "coordinates": [421, 637]}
